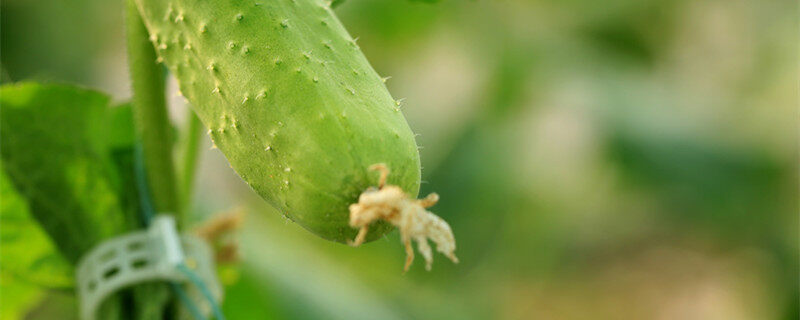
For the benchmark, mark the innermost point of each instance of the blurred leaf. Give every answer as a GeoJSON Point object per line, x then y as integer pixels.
{"type": "Point", "coordinates": [122, 143]}
{"type": "Point", "coordinates": [17, 297]}
{"type": "Point", "coordinates": [510, 86]}
{"type": "Point", "coordinates": [483, 184]}
{"type": "Point", "coordinates": [30, 262]}
{"type": "Point", "coordinates": [55, 152]}
{"type": "Point", "coordinates": [630, 33]}
{"type": "Point", "coordinates": [336, 3]}
{"type": "Point", "coordinates": [622, 39]}
{"type": "Point", "coordinates": [389, 24]}
{"type": "Point", "coordinates": [57, 305]}
{"type": "Point", "coordinates": [28, 254]}
{"type": "Point", "coordinates": [248, 298]}
{"type": "Point", "coordinates": [121, 133]}
{"type": "Point", "coordinates": [703, 181]}
{"type": "Point", "coordinates": [54, 40]}
{"type": "Point", "coordinates": [302, 282]}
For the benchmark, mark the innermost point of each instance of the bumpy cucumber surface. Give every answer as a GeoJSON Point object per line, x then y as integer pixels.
{"type": "Point", "coordinates": [290, 100]}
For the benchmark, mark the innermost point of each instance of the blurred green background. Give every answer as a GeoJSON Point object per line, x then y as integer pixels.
{"type": "Point", "coordinates": [624, 159]}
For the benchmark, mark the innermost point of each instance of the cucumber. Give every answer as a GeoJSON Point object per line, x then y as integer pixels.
{"type": "Point", "coordinates": [290, 100]}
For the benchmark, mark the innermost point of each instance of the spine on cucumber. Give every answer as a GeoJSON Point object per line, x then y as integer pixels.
{"type": "Point", "coordinates": [290, 100]}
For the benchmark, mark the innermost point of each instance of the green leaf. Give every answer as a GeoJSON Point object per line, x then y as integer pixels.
{"type": "Point", "coordinates": [57, 154]}
{"type": "Point", "coordinates": [122, 141]}
{"type": "Point", "coordinates": [122, 134]}
{"type": "Point", "coordinates": [17, 297]}
{"type": "Point", "coordinates": [336, 3]}
{"type": "Point", "coordinates": [28, 254]}
{"type": "Point", "coordinates": [30, 262]}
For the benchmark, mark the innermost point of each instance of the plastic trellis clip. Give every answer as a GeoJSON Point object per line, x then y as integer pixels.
{"type": "Point", "coordinates": [142, 256]}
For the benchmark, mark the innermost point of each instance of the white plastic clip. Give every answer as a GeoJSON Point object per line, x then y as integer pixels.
{"type": "Point", "coordinates": [141, 256]}
{"type": "Point", "coordinates": [163, 230]}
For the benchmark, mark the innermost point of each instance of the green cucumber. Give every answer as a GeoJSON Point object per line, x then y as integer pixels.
{"type": "Point", "coordinates": [290, 100]}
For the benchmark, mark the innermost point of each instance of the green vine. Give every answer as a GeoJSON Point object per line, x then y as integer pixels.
{"type": "Point", "coordinates": [151, 117]}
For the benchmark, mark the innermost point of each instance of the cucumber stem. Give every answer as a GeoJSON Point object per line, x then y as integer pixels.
{"type": "Point", "coordinates": [191, 143]}
{"type": "Point", "coordinates": [150, 112]}
{"type": "Point", "coordinates": [154, 132]}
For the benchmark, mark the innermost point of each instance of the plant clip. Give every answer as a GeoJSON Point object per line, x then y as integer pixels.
{"type": "Point", "coordinates": [154, 254]}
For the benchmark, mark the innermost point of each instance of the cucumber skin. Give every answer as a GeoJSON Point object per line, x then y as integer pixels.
{"type": "Point", "coordinates": [290, 100]}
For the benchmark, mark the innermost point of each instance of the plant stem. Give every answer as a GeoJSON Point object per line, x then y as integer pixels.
{"type": "Point", "coordinates": [191, 144]}
{"type": "Point", "coordinates": [154, 132]}
{"type": "Point", "coordinates": [150, 112]}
